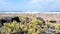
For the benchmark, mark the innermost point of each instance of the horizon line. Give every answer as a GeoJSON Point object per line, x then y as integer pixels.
{"type": "Point", "coordinates": [30, 12]}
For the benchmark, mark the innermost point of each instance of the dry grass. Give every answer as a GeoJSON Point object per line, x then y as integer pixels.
{"type": "Point", "coordinates": [44, 16]}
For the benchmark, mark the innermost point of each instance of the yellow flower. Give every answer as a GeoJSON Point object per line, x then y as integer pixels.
{"type": "Point", "coordinates": [57, 26]}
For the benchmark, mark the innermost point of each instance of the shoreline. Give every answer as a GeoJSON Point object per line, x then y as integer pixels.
{"type": "Point", "coordinates": [29, 12]}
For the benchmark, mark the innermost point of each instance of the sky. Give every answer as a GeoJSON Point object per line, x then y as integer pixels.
{"type": "Point", "coordinates": [29, 5]}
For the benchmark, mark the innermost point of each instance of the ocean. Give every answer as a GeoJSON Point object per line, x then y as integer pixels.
{"type": "Point", "coordinates": [14, 12]}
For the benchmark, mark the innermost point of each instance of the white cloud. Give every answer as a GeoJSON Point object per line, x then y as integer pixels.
{"type": "Point", "coordinates": [37, 1]}
{"type": "Point", "coordinates": [34, 1]}
{"type": "Point", "coordinates": [3, 2]}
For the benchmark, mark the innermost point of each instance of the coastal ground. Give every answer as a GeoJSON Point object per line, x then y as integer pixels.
{"type": "Point", "coordinates": [44, 16]}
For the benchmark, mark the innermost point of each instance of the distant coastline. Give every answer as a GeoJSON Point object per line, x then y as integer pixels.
{"type": "Point", "coordinates": [29, 12]}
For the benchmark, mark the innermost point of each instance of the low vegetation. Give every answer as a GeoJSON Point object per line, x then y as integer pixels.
{"type": "Point", "coordinates": [34, 26]}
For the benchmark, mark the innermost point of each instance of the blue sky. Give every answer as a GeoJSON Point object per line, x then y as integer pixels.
{"type": "Point", "coordinates": [29, 5]}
